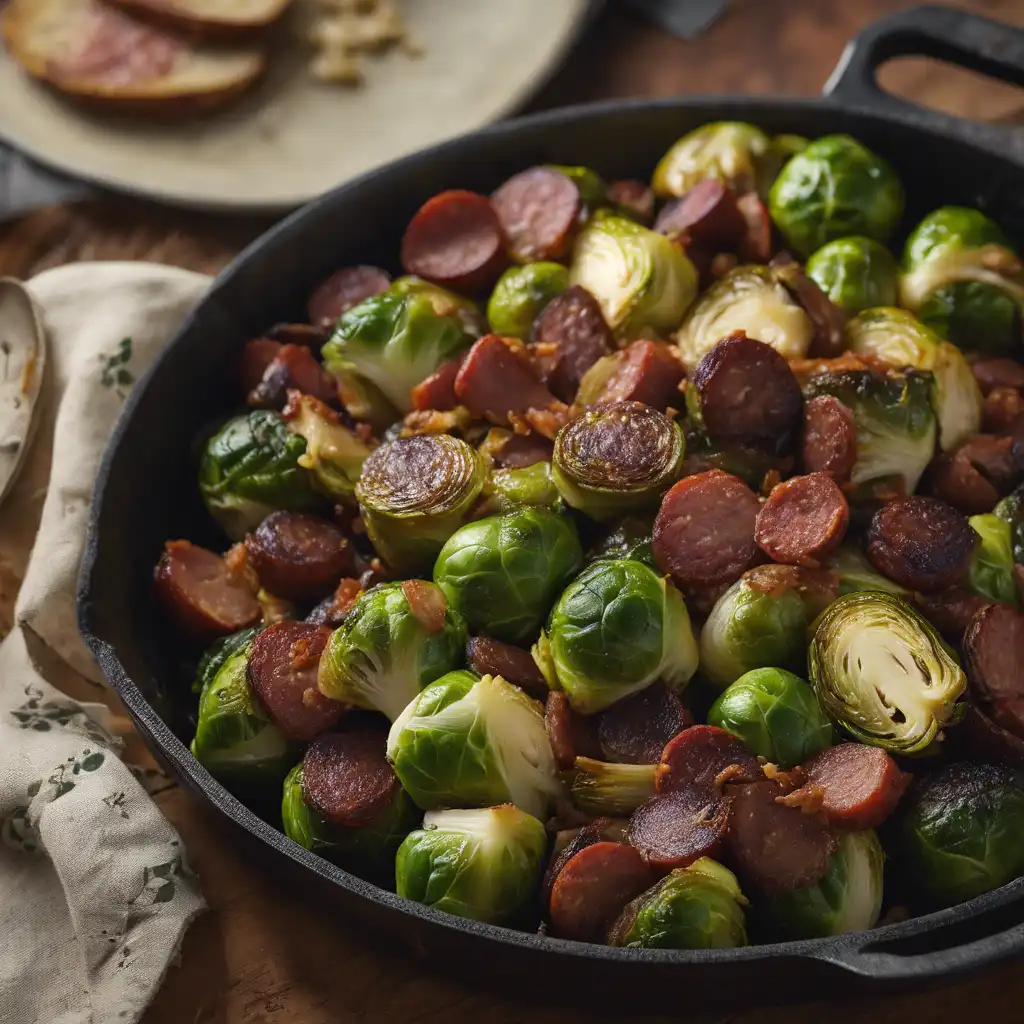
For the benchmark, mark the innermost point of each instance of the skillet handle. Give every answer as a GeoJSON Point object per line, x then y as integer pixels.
{"type": "Point", "coordinates": [958, 37]}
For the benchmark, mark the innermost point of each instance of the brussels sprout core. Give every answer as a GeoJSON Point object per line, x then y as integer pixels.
{"type": "Point", "coordinates": [610, 790]}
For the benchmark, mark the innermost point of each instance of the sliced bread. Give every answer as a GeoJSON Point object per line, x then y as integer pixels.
{"type": "Point", "coordinates": [208, 19]}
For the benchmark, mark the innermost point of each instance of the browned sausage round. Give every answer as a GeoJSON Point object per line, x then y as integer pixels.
{"type": "Point", "coordinates": [774, 848]}
{"type": "Point", "coordinates": [974, 476]}
{"type": "Point", "coordinates": [1003, 412]}
{"type": "Point", "coordinates": [994, 656]}
{"type": "Point", "coordinates": [572, 333]}
{"type": "Point", "coordinates": [649, 372]}
{"type": "Point", "coordinates": [748, 394]}
{"type": "Point", "coordinates": [299, 556]}
{"type": "Point", "coordinates": [293, 368]}
{"type": "Point", "coordinates": [980, 738]}
{"type": "Point", "coordinates": [538, 210]}
{"type": "Point", "coordinates": [438, 390]}
{"type": "Point", "coordinates": [343, 290]}
{"type": "Point", "coordinates": [455, 240]}
{"type": "Point", "coordinates": [921, 543]}
{"type": "Point", "coordinates": [571, 734]}
{"type": "Point", "coordinates": [346, 775]}
{"type": "Point", "coordinates": [803, 519]}
{"type": "Point", "coordinates": [497, 379]}
{"type": "Point", "coordinates": [950, 611]}
{"type": "Point", "coordinates": [998, 372]}
{"type": "Point", "coordinates": [707, 215]}
{"type": "Point", "coordinates": [828, 319]}
{"type": "Point", "coordinates": [698, 756]}
{"type": "Point", "coordinates": [256, 356]}
{"type": "Point", "coordinates": [587, 835]}
{"type": "Point", "coordinates": [829, 441]}
{"type": "Point", "coordinates": [489, 657]}
{"type": "Point", "coordinates": [860, 785]}
{"type": "Point", "coordinates": [333, 609]}
{"type": "Point", "coordinates": [592, 888]}
{"type": "Point", "coordinates": [672, 830]}
{"type": "Point", "coordinates": [636, 730]}
{"type": "Point", "coordinates": [282, 673]}
{"type": "Point", "coordinates": [634, 198]}
{"type": "Point", "coordinates": [704, 531]}
{"type": "Point", "coordinates": [201, 594]}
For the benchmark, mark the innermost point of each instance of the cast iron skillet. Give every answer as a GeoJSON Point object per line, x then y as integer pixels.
{"type": "Point", "coordinates": [146, 492]}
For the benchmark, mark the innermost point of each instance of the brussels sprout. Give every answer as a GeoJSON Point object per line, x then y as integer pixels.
{"type": "Point", "coordinates": [414, 493]}
{"type": "Point", "coordinates": [856, 273]}
{"type": "Point", "coordinates": [896, 425]}
{"type": "Point", "coordinates": [368, 850]}
{"type": "Point", "coordinates": [883, 673]}
{"type": "Point", "coordinates": [749, 299]}
{"type": "Point", "coordinates": [730, 151]}
{"type": "Point", "coordinates": [847, 899]}
{"type": "Point", "coordinates": [959, 832]}
{"type": "Point", "coordinates": [235, 741]}
{"type": "Point", "coordinates": [250, 468]}
{"type": "Point", "coordinates": [214, 656]}
{"type": "Point", "coordinates": [485, 865]}
{"type": "Point", "coordinates": [386, 650]}
{"type": "Point", "coordinates": [991, 572]}
{"type": "Point", "coordinates": [445, 303]}
{"type": "Point", "coordinates": [617, 458]}
{"type": "Point", "coordinates": [963, 280]}
{"type": "Point", "coordinates": [593, 190]}
{"type": "Point", "coordinates": [631, 538]}
{"type": "Point", "coordinates": [699, 907]}
{"type": "Point", "coordinates": [642, 280]}
{"type": "Point", "coordinates": [856, 573]}
{"type": "Point", "coordinates": [610, 790]}
{"type": "Point", "coordinates": [895, 337]}
{"type": "Point", "coordinates": [394, 341]}
{"type": "Point", "coordinates": [1011, 511]}
{"type": "Point", "coordinates": [520, 296]}
{"type": "Point", "coordinates": [616, 629]}
{"type": "Point", "coordinates": [775, 714]}
{"type": "Point", "coordinates": [532, 486]}
{"type": "Point", "coordinates": [504, 573]}
{"type": "Point", "coordinates": [833, 188]}
{"type": "Point", "coordinates": [472, 742]}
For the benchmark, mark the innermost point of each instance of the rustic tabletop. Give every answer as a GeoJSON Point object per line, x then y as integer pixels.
{"type": "Point", "coordinates": [265, 955]}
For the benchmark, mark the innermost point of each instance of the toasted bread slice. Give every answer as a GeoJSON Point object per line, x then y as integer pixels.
{"type": "Point", "coordinates": [108, 60]}
{"type": "Point", "coordinates": [208, 19]}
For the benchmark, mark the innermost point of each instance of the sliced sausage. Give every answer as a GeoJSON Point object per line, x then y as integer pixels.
{"type": "Point", "coordinates": [591, 890]}
{"type": "Point", "coordinates": [860, 785]}
{"type": "Point", "coordinates": [342, 291]}
{"type": "Point", "coordinates": [493, 658]}
{"type": "Point", "coordinates": [921, 543]}
{"type": "Point", "coordinates": [438, 390]}
{"type": "Point", "coordinates": [282, 673]}
{"type": "Point", "coordinates": [539, 210]}
{"type": "Point", "coordinates": [974, 476]}
{"type": "Point", "coordinates": [333, 610]}
{"type": "Point", "coordinates": [572, 334]}
{"type": "Point", "coordinates": [299, 556]}
{"type": "Point", "coordinates": [522, 450]}
{"type": "Point", "coordinates": [571, 734]}
{"type": "Point", "coordinates": [979, 737]}
{"type": "Point", "coordinates": [672, 830]}
{"type": "Point", "coordinates": [803, 519]}
{"type": "Point", "coordinates": [293, 368]}
{"type": "Point", "coordinates": [998, 372]}
{"type": "Point", "coordinates": [772, 847]}
{"type": "Point", "coordinates": [256, 356]}
{"type": "Point", "coordinates": [707, 216]}
{"type": "Point", "coordinates": [590, 833]}
{"type": "Point", "coordinates": [636, 730]}
{"type": "Point", "coordinates": [704, 530]}
{"type": "Point", "coordinates": [648, 372]}
{"type": "Point", "coordinates": [748, 393]}
{"type": "Point", "coordinates": [994, 656]}
{"type": "Point", "coordinates": [950, 611]}
{"type": "Point", "coordinates": [200, 592]}
{"type": "Point", "coordinates": [634, 198]}
{"type": "Point", "coordinates": [346, 775]}
{"type": "Point", "coordinates": [1002, 412]}
{"type": "Point", "coordinates": [829, 320]}
{"type": "Point", "coordinates": [455, 240]}
{"type": "Point", "coordinates": [829, 439]}
{"type": "Point", "coordinates": [698, 756]}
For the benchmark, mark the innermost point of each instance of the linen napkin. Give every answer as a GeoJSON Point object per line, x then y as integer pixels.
{"type": "Point", "coordinates": [95, 888]}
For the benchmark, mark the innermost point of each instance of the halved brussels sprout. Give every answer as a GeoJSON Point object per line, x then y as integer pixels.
{"type": "Point", "coordinates": [896, 424]}
{"type": "Point", "coordinates": [607, 790]}
{"type": "Point", "coordinates": [991, 572]}
{"type": "Point", "coordinates": [856, 573]}
{"type": "Point", "coordinates": [471, 742]}
{"type": "Point", "coordinates": [963, 280]}
{"type": "Point", "coordinates": [250, 468]}
{"type": "Point", "coordinates": [504, 573]}
{"type": "Point", "coordinates": [896, 338]}
{"type": "Point", "coordinates": [484, 865]}
{"type": "Point", "coordinates": [617, 458]}
{"type": "Point", "coordinates": [593, 190]}
{"type": "Point", "coordinates": [1011, 511]}
{"type": "Point", "coordinates": [394, 341]}
{"type": "Point", "coordinates": [631, 538]}
{"type": "Point", "coordinates": [529, 487]}
{"type": "Point", "coordinates": [445, 302]}
{"type": "Point", "coordinates": [883, 673]}
{"type": "Point", "coordinates": [847, 899]}
{"type": "Point", "coordinates": [731, 151]}
{"type": "Point", "coordinates": [833, 188]}
{"type": "Point", "coordinates": [214, 656]}
{"type": "Point", "coordinates": [414, 493]}
{"type": "Point", "coordinates": [699, 907]}
{"type": "Point", "coordinates": [617, 628]}
{"type": "Point", "coordinates": [749, 299]}
{"type": "Point", "coordinates": [520, 296]}
{"type": "Point", "coordinates": [856, 273]}
{"type": "Point", "coordinates": [776, 715]}
{"type": "Point", "coordinates": [642, 280]}
{"type": "Point", "coordinates": [387, 649]}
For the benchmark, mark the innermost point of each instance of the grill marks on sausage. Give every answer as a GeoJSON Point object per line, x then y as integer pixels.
{"type": "Point", "coordinates": [697, 756]}
{"type": "Point", "coordinates": [994, 656]}
{"type": "Point", "coordinates": [974, 476]}
{"type": "Point", "coordinates": [539, 210]}
{"type": "Point", "coordinates": [489, 657]}
{"type": "Point", "coordinates": [344, 290]}
{"type": "Point", "coordinates": [572, 334]}
{"type": "Point", "coordinates": [636, 730]}
{"type": "Point", "coordinates": [648, 372]}
{"type": "Point", "coordinates": [803, 519]}
{"type": "Point", "coordinates": [674, 829]}
{"type": "Point", "coordinates": [570, 734]}
{"type": "Point", "coordinates": [829, 440]}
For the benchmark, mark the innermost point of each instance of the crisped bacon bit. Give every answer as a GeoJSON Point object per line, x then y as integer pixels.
{"type": "Point", "coordinates": [427, 604]}
{"type": "Point", "coordinates": [236, 559]}
{"type": "Point", "coordinates": [732, 773]}
{"type": "Point", "coordinates": [311, 697]}
{"type": "Point", "coordinates": [301, 656]}
{"type": "Point", "coordinates": [807, 798]}
{"type": "Point", "coordinates": [346, 595]}
{"type": "Point", "coordinates": [548, 422]}
{"type": "Point", "coordinates": [296, 399]}
{"type": "Point", "coordinates": [433, 421]}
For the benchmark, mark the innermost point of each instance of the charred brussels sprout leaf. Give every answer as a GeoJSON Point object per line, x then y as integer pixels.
{"type": "Point", "coordinates": [616, 629]}
{"type": "Point", "coordinates": [883, 673]}
{"type": "Point", "coordinates": [856, 273]}
{"type": "Point", "coordinates": [214, 657]}
{"type": "Point", "coordinates": [504, 573]}
{"type": "Point", "coordinates": [833, 188]}
{"type": "Point", "coordinates": [529, 487]}
{"type": "Point", "coordinates": [384, 652]}
{"type": "Point", "coordinates": [472, 742]}
{"type": "Point", "coordinates": [250, 468]}
{"type": "Point", "coordinates": [481, 864]}
{"type": "Point", "coordinates": [1011, 511]}
{"type": "Point", "coordinates": [991, 572]}
{"type": "Point", "coordinates": [520, 296]}
{"type": "Point", "coordinates": [610, 790]}
{"type": "Point", "coordinates": [730, 151]}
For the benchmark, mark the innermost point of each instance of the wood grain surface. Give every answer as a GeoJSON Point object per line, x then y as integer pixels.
{"type": "Point", "coordinates": [266, 954]}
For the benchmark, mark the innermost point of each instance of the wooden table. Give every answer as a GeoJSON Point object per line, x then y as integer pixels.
{"type": "Point", "coordinates": [264, 956]}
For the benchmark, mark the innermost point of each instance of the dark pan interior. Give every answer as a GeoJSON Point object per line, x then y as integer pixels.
{"type": "Point", "coordinates": [147, 493]}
